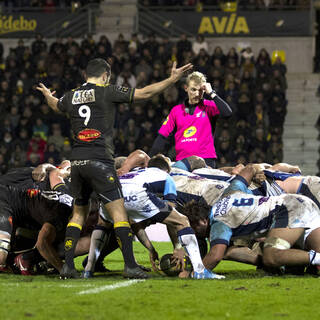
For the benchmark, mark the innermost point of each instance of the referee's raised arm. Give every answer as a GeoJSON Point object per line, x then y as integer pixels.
{"type": "Point", "coordinates": [158, 87]}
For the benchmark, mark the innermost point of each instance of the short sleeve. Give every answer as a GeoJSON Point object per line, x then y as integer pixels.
{"type": "Point", "coordinates": [168, 125]}
{"type": "Point", "coordinates": [62, 104]}
{"type": "Point", "coordinates": [119, 94]}
{"type": "Point", "coordinates": [238, 184]}
{"type": "Point", "coordinates": [220, 233]}
{"type": "Point", "coordinates": [170, 191]}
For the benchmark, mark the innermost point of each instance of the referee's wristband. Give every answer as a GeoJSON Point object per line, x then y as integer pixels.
{"type": "Point", "coordinates": [212, 94]}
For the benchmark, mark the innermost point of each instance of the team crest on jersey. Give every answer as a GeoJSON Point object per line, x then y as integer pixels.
{"type": "Point", "coordinates": [189, 132]}
{"type": "Point", "coordinates": [122, 89]}
{"type": "Point", "coordinates": [89, 135]}
{"type": "Point", "coordinates": [83, 96]}
{"type": "Point", "coordinates": [166, 121]}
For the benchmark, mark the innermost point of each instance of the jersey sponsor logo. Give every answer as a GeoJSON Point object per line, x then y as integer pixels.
{"type": "Point", "coordinates": [83, 96]}
{"type": "Point", "coordinates": [166, 121]}
{"type": "Point", "coordinates": [89, 135]}
{"type": "Point", "coordinates": [222, 206]}
{"type": "Point", "coordinates": [32, 192]}
{"type": "Point", "coordinates": [130, 198]}
{"type": "Point", "coordinates": [110, 179]}
{"type": "Point", "coordinates": [122, 89]}
{"type": "Point", "coordinates": [189, 132]}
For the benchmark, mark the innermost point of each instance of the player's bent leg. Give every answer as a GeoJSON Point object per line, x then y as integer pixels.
{"type": "Point", "coordinates": [124, 236]}
{"type": "Point", "coordinates": [242, 254]}
{"type": "Point", "coordinates": [4, 249]}
{"type": "Point", "coordinates": [277, 250]}
{"type": "Point", "coordinates": [312, 243]}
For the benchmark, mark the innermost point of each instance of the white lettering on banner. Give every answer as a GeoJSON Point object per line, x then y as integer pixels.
{"type": "Point", "coordinates": [189, 140]}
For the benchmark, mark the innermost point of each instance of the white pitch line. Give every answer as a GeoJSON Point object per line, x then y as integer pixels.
{"type": "Point", "coordinates": [111, 287]}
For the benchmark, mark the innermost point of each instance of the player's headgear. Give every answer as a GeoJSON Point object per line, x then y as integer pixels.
{"type": "Point", "coordinates": [97, 67]}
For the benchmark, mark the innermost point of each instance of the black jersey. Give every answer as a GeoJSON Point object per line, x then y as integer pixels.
{"type": "Point", "coordinates": [91, 109]}
{"type": "Point", "coordinates": [20, 178]}
{"type": "Point", "coordinates": [37, 206]}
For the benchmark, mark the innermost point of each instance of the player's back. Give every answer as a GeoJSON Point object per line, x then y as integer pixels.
{"type": "Point", "coordinates": [91, 109]}
{"type": "Point", "coordinates": [239, 208]}
{"type": "Point", "coordinates": [213, 174]}
{"type": "Point", "coordinates": [144, 180]}
{"type": "Point", "coordinates": [19, 178]}
{"type": "Point", "coordinates": [191, 186]}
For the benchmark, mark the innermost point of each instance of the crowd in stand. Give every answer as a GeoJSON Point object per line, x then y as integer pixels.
{"type": "Point", "coordinates": [31, 133]}
{"type": "Point", "coordinates": [242, 4]}
{"type": "Point", "coordinates": [45, 4]}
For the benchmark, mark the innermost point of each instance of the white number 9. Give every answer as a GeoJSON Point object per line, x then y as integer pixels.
{"type": "Point", "coordinates": [85, 112]}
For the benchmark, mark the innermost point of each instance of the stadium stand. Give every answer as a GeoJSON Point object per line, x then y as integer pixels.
{"type": "Point", "coordinates": [252, 85]}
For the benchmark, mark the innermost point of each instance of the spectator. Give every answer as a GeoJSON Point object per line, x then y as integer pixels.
{"type": "Point", "coordinates": [199, 44]}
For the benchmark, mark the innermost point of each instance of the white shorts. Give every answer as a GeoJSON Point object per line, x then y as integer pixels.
{"type": "Point", "coordinates": [142, 206]}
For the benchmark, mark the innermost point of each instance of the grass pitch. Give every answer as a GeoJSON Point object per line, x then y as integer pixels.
{"type": "Point", "coordinates": [244, 294]}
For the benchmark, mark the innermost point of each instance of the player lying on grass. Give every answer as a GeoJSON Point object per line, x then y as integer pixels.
{"type": "Point", "coordinates": [282, 219]}
{"type": "Point", "coordinates": [144, 208]}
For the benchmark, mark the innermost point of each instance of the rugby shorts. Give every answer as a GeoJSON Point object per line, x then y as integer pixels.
{"type": "Point", "coordinates": [91, 175]}
{"type": "Point", "coordinates": [143, 207]}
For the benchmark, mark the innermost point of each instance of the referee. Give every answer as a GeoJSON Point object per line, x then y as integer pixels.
{"type": "Point", "coordinates": [91, 110]}
{"type": "Point", "coordinates": [193, 122]}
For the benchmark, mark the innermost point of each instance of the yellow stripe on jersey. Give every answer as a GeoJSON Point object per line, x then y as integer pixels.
{"type": "Point", "coordinates": [57, 186]}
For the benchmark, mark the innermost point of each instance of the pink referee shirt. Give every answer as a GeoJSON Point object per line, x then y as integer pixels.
{"type": "Point", "coordinates": [193, 132]}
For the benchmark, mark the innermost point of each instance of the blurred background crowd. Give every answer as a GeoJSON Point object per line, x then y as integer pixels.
{"type": "Point", "coordinates": [31, 133]}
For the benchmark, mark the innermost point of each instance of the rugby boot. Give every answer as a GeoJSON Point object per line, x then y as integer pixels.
{"type": "Point", "coordinates": [23, 265]}
{"type": "Point", "coordinates": [206, 274]}
{"type": "Point", "coordinates": [134, 273]}
{"type": "Point", "coordinates": [86, 274]}
{"type": "Point", "coordinates": [68, 273]}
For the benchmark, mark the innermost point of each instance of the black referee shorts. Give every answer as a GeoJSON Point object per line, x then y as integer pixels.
{"type": "Point", "coordinates": [91, 175]}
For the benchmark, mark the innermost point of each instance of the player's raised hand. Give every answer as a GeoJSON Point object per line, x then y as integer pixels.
{"type": "Point", "coordinates": [207, 88]}
{"type": "Point", "coordinates": [44, 90]}
{"type": "Point", "coordinates": [177, 73]}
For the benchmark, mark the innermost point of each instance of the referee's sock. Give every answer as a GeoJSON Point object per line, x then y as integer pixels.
{"type": "Point", "coordinates": [124, 237]}
{"type": "Point", "coordinates": [189, 241]}
{"type": "Point", "coordinates": [72, 236]}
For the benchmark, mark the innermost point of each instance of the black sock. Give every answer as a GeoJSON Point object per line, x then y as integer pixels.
{"type": "Point", "coordinates": [124, 237]}
{"type": "Point", "coordinates": [72, 236]}
{"type": "Point", "coordinates": [33, 256]}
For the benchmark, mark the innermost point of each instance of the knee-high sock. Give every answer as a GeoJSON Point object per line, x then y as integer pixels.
{"type": "Point", "coordinates": [72, 236]}
{"type": "Point", "coordinates": [98, 240]}
{"type": "Point", "coordinates": [189, 242]}
{"type": "Point", "coordinates": [124, 237]}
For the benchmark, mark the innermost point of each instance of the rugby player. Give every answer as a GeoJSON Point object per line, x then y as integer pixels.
{"type": "Point", "coordinates": [144, 208]}
{"type": "Point", "coordinates": [283, 219]}
{"type": "Point", "coordinates": [91, 109]}
{"type": "Point", "coordinates": [49, 211]}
